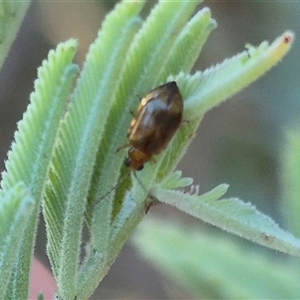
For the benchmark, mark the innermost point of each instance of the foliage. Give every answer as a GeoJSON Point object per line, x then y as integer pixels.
{"type": "Point", "coordinates": [65, 147]}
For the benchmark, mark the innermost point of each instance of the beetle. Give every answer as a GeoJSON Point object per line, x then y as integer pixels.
{"type": "Point", "coordinates": [158, 117]}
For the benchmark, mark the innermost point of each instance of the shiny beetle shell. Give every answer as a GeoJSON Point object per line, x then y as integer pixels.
{"type": "Point", "coordinates": [157, 119]}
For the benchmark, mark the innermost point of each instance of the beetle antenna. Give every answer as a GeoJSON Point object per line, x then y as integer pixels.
{"type": "Point", "coordinates": [118, 184]}
{"type": "Point", "coordinates": [111, 190]}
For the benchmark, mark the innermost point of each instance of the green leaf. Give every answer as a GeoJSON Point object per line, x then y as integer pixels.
{"type": "Point", "coordinates": [193, 35]}
{"type": "Point", "coordinates": [73, 145]}
{"type": "Point", "coordinates": [29, 158]}
{"type": "Point", "coordinates": [211, 266]}
{"type": "Point", "coordinates": [15, 210]}
{"type": "Point", "coordinates": [175, 181]}
{"type": "Point", "coordinates": [205, 90]}
{"type": "Point", "coordinates": [141, 74]}
{"type": "Point", "coordinates": [152, 49]}
{"type": "Point", "coordinates": [220, 82]}
{"type": "Point", "coordinates": [202, 92]}
{"type": "Point", "coordinates": [11, 16]}
{"type": "Point", "coordinates": [232, 215]}
{"type": "Point", "coordinates": [86, 163]}
{"type": "Point", "coordinates": [112, 75]}
{"type": "Point", "coordinates": [290, 180]}
{"type": "Point", "coordinates": [80, 136]}
{"type": "Point", "coordinates": [155, 46]}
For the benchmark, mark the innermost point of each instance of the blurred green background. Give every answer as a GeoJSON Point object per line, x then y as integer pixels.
{"type": "Point", "coordinates": [239, 142]}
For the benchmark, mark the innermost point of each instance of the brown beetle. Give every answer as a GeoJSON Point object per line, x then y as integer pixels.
{"type": "Point", "coordinates": [157, 119]}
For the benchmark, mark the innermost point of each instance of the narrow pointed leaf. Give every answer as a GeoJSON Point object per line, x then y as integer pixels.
{"type": "Point", "coordinates": [88, 277]}
{"type": "Point", "coordinates": [11, 16]}
{"type": "Point", "coordinates": [87, 165]}
{"type": "Point", "coordinates": [220, 82]}
{"type": "Point", "coordinates": [154, 37]}
{"type": "Point", "coordinates": [175, 181]}
{"type": "Point", "coordinates": [290, 180]}
{"type": "Point", "coordinates": [29, 158]}
{"type": "Point", "coordinates": [15, 210]}
{"type": "Point", "coordinates": [205, 90]}
{"type": "Point", "coordinates": [80, 135]}
{"type": "Point", "coordinates": [193, 89]}
{"type": "Point", "coordinates": [152, 49]}
{"type": "Point", "coordinates": [200, 261]}
{"type": "Point", "coordinates": [189, 43]}
{"type": "Point", "coordinates": [233, 216]}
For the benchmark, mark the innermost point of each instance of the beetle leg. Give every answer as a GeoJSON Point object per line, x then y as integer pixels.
{"type": "Point", "coordinates": [123, 147]}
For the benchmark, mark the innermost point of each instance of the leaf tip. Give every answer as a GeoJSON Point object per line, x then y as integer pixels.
{"type": "Point", "coordinates": [288, 37]}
